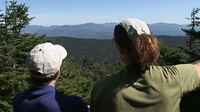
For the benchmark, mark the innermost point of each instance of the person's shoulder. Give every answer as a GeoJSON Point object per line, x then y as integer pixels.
{"type": "Point", "coordinates": [78, 103]}
{"type": "Point", "coordinates": [17, 99]}
{"type": "Point", "coordinates": [108, 82]}
{"type": "Point", "coordinates": [72, 101]}
{"type": "Point", "coordinates": [19, 96]}
{"type": "Point", "coordinates": [70, 98]}
{"type": "Point", "coordinates": [108, 79]}
{"type": "Point", "coordinates": [76, 98]}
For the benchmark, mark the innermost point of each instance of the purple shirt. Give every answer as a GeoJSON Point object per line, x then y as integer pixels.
{"type": "Point", "coordinates": [47, 99]}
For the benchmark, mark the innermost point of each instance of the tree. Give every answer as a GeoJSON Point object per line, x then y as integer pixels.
{"type": "Point", "coordinates": [14, 48]}
{"type": "Point", "coordinates": [190, 102]}
{"type": "Point", "coordinates": [192, 48]}
{"type": "Point", "coordinates": [169, 56]}
{"type": "Point", "coordinates": [96, 71]}
{"type": "Point", "coordinates": [73, 81]}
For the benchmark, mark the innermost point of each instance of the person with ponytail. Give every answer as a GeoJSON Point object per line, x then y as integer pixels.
{"type": "Point", "coordinates": [142, 86]}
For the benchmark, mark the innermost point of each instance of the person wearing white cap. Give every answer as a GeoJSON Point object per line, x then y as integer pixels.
{"type": "Point", "coordinates": [44, 62]}
{"type": "Point", "coordinates": [142, 86]}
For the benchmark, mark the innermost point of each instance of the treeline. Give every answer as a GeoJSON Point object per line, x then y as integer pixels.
{"type": "Point", "coordinates": [97, 50]}
{"type": "Point", "coordinates": [104, 50]}
{"type": "Point", "coordinates": [76, 78]}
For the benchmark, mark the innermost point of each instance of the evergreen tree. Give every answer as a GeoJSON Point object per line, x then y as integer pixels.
{"type": "Point", "coordinates": [169, 56]}
{"type": "Point", "coordinates": [14, 48]}
{"type": "Point", "coordinates": [73, 82]}
{"type": "Point", "coordinates": [192, 48]}
{"type": "Point", "coordinates": [190, 102]}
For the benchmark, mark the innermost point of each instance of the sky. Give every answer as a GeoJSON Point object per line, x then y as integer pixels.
{"type": "Point", "coordinates": [74, 12]}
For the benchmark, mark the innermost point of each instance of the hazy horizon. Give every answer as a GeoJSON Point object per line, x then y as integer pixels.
{"type": "Point", "coordinates": [102, 23]}
{"type": "Point", "coordinates": [74, 12]}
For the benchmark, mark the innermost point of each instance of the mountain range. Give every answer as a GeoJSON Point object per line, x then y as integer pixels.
{"type": "Point", "coordinates": [100, 31]}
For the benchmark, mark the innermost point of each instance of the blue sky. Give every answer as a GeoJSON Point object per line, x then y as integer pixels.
{"type": "Point", "coordinates": [73, 12]}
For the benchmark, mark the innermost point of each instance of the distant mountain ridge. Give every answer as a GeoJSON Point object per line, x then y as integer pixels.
{"type": "Point", "coordinates": [100, 31]}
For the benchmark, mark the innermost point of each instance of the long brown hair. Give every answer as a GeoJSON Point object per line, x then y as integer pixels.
{"type": "Point", "coordinates": [142, 50]}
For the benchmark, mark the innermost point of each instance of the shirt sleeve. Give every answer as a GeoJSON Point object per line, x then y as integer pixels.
{"type": "Point", "coordinates": [187, 77]}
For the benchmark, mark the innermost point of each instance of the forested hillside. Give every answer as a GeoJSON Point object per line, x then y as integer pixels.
{"type": "Point", "coordinates": [98, 50]}
{"type": "Point", "coordinates": [104, 50]}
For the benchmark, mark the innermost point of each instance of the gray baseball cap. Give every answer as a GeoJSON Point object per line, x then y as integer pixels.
{"type": "Point", "coordinates": [46, 59]}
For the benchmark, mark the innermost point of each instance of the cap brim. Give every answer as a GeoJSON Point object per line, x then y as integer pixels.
{"type": "Point", "coordinates": [62, 51]}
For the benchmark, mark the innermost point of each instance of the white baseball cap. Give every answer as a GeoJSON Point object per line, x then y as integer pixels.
{"type": "Point", "coordinates": [134, 27]}
{"type": "Point", "coordinates": [46, 59]}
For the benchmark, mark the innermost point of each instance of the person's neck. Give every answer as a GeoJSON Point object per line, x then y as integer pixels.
{"type": "Point", "coordinates": [52, 83]}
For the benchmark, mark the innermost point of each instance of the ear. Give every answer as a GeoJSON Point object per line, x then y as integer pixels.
{"type": "Point", "coordinates": [120, 50]}
{"type": "Point", "coordinates": [57, 74]}
{"type": "Point", "coordinates": [122, 54]}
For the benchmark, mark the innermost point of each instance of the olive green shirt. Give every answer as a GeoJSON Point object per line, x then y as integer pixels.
{"type": "Point", "coordinates": [159, 89]}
